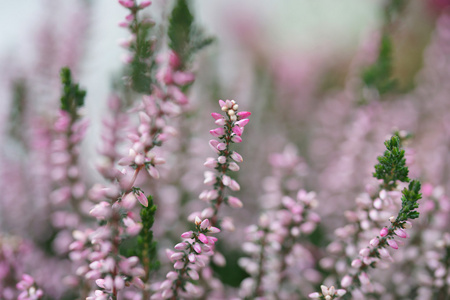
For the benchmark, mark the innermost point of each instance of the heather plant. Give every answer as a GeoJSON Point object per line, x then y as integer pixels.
{"type": "Point", "coordinates": [290, 201]}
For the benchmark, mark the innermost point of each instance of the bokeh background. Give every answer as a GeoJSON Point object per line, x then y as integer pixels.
{"type": "Point", "coordinates": [298, 66]}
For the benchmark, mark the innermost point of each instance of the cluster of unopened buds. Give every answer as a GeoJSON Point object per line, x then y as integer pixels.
{"type": "Point", "coordinates": [328, 293]}
{"type": "Point", "coordinates": [29, 289]}
{"type": "Point", "coordinates": [188, 258]}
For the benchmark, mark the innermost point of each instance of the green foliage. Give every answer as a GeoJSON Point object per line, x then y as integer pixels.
{"type": "Point", "coordinates": [141, 71]}
{"type": "Point", "coordinates": [146, 245]}
{"type": "Point", "coordinates": [73, 96]}
{"type": "Point", "coordinates": [392, 165]}
{"type": "Point", "coordinates": [409, 202]}
{"type": "Point", "coordinates": [393, 9]}
{"type": "Point", "coordinates": [379, 75]}
{"type": "Point", "coordinates": [185, 38]}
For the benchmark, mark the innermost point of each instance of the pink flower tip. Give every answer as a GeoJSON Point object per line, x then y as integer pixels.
{"type": "Point", "coordinates": [244, 114]}
{"type": "Point", "coordinates": [384, 232]}
{"type": "Point", "coordinates": [393, 244]}
{"type": "Point", "coordinates": [145, 3]}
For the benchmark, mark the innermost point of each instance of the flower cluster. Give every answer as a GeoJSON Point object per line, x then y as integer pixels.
{"type": "Point", "coordinates": [188, 258]}
{"type": "Point", "coordinates": [231, 130]}
{"type": "Point", "coordinates": [29, 289]}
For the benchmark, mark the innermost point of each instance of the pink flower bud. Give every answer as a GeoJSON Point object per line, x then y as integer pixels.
{"type": "Point", "coordinates": [234, 186]}
{"type": "Point", "coordinates": [126, 3]}
{"type": "Point", "coordinates": [364, 252]}
{"type": "Point", "coordinates": [242, 123]}
{"type": "Point", "coordinates": [346, 281]}
{"type": "Point", "coordinates": [237, 130]}
{"type": "Point", "coordinates": [236, 139]}
{"type": "Point", "coordinates": [204, 224]}
{"type": "Point", "coordinates": [187, 235]}
{"type": "Point", "coordinates": [222, 103]}
{"type": "Point", "coordinates": [145, 3]}
{"type": "Point", "coordinates": [153, 172]}
{"type": "Point", "coordinates": [142, 199]}
{"type": "Point", "coordinates": [234, 202]}
{"type": "Point", "coordinates": [233, 167]}
{"type": "Point", "coordinates": [393, 244]}
{"type": "Point", "coordinates": [193, 274]}
{"type": "Point", "coordinates": [236, 157]}
{"type": "Point", "coordinates": [244, 114]}
{"type": "Point", "coordinates": [197, 248]}
{"type": "Point", "coordinates": [220, 122]}
{"type": "Point", "coordinates": [218, 132]}
{"type": "Point", "coordinates": [216, 116]}
{"type": "Point", "coordinates": [213, 229]}
{"type": "Point", "coordinates": [180, 246]}
{"type": "Point", "coordinates": [401, 233]}
{"type": "Point", "coordinates": [384, 232]}
{"type": "Point", "coordinates": [374, 242]}
{"type": "Point", "coordinates": [203, 238]}
{"type": "Point", "coordinates": [177, 256]}
{"type": "Point", "coordinates": [221, 146]}
{"type": "Point", "coordinates": [356, 263]}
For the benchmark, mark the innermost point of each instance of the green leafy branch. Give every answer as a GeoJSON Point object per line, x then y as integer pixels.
{"type": "Point", "coordinates": [392, 165]}
{"type": "Point", "coordinates": [72, 97]}
{"type": "Point", "coordinates": [185, 37]}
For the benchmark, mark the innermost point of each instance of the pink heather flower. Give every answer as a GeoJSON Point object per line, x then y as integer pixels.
{"type": "Point", "coordinates": [356, 263]}
{"type": "Point", "coordinates": [142, 199]}
{"type": "Point", "coordinates": [393, 244]}
{"type": "Point", "coordinates": [242, 123]}
{"type": "Point", "coordinates": [244, 114]}
{"type": "Point", "coordinates": [101, 210]}
{"type": "Point", "coordinates": [237, 130]}
{"type": "Point", "coordinates": [127, 3]}
{"type": "Point", "coordinates": [203, 238]}
{"type": "Point", "coordinates": [221, 146]}
{"type": "Point", "coordinates": [197, 248]}
{"type": "Point", "coordinates": [236, 157]}
{"type": "Point", "coordinates": [234, 202]}
{"type": "Point", "coordinates": [364, 252]}
{"type": "Point", "coordinates": [187, 234]}
{"type": "Point", "coordinates": [346, 281]}
{"type": "Point", "coordinates": [145, 3]}
{"type": "Point", "coordinates": [153, 172]}
{"type": "Point", "coordinates": [401, 233]}
{"type": "Point", "coordinates": [180, 246]}
{"type": "Point", "coordinates": [216, 116]}
{"type": "Point", "coordinates": [226, 180]}
{"type": "Point", "coordinates": [193, 274]}
{"type": "Point", "coordinates": [204, 224]}
{"type": "Point", "coordinates": [384, 232]}
{"type": "Point", "coordinates": [213, 144]}
{"type": "Point", "coordinates": [183, 78]}
{"type": "Point", "coordinates": [210, 163]}
{"type": "Point", "coordinates": [374, 242]}
{"type": "Point", "coordinates": [234, 186]}
{"type": "Point", "coordinates": [220, 122]}
{"type": "Point", "coordinates": [233, 167]}
{"type": "Point", "coordinates": [236, 139]}
{"type": "Point", "coordinates": [218, 132]}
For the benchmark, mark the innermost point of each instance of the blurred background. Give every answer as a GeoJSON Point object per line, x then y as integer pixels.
{"type": "Point", "coordinates": [326, 81]}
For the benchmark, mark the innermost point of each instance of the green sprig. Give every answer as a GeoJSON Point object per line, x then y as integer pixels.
{"type": "Point", "coordinates": [72, 97]}
{"type": "Point", "coordinates": [392, 165]}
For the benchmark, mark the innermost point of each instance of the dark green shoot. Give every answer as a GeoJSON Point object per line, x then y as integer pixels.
{"type": "Point", "coordinates": [409, 202]}
{"type": "Point", "coordinates": [72, 97]}
{"type": "Point", "coordinates": [378, 76]}
{"type": "Point", "coordinates": [392, 165]}
{"type": "Point", "coordinates": [185, 38]}
{"type": "Point", "coordinates": [146, 244]}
